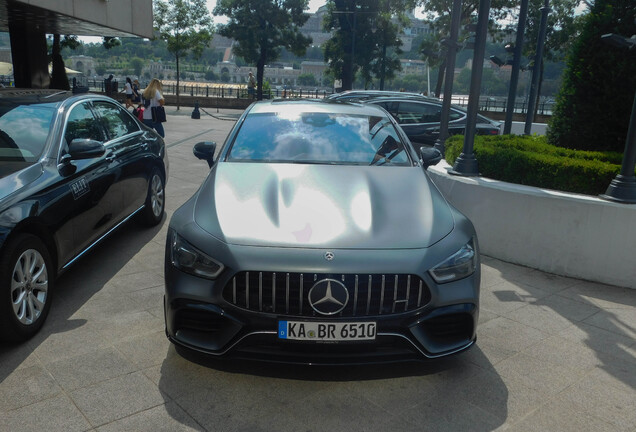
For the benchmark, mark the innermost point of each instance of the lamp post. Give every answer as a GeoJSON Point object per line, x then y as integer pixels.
{"type": "Point", "coordinates": [623, 188]}
{"type": "Point", "coordinates": [466, 163]}
{"type": "Point", "coordinates": [516, 65]}
{"type": "Point", "coordinates": [538, 60]}
{"type": "Point", "coordinates": [451, 51]}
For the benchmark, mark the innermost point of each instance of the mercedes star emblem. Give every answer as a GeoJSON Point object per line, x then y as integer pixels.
{"type": "Point", "coordinates": [328, 296]}
{"type": "Point", "coordinates": [329, 255]}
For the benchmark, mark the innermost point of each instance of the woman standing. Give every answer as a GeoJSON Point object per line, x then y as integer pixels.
{"type": "Point", "coordinates": [136, 94]}
{"type": "Point", "coordinates": [153, 98]}
{"type": "Point", "coordinates": [129, 93]}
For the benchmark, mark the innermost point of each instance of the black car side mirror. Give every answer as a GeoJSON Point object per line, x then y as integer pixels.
{"type": "Point", "coordinates": [84, 148]}
{"type": "Point", "coordinates": [430, 156]}
{"type": "Point", "coordinates": [205, 151]}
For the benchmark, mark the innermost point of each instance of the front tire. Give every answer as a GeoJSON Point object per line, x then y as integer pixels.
{"type": "Point", "coordinates": [154, 207]}
{"type": "Point", "coordinates": [26, 285]}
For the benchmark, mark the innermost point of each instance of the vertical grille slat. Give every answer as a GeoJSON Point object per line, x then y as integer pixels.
{"type": "Point", "coordinates": [274, 292]}
{"type": "Point", "coordinates": [300, 300]}
{"type": "Point", "coordinates": [287, 293]}
{"type": "Point", "coordinates": [382, 294]}
{"type": "Point", "coordinates": [247, 290]}
{"type": "Point", "coordinates": [355, 297]}
{"type": "Point", "coordinates": [408, 292]}
{"type": "Point", "coordinates": [369, 294]}
{"type": "Point", "coordinates": [258, 291]}
{"type": "Point", "coordinates": [395, 290]}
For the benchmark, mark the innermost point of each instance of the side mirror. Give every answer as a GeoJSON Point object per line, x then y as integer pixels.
{"type": "Point", "coordinates": [84, 148]}
{"type": "Point", "coordinates": [205, 151]}
{"type": "Point", "coordinates": [430, 156]}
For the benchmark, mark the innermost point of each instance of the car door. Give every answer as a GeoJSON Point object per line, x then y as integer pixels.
{"type": "Point", "coordinates": [86, 202]}
{"type": "Point", "coordinates": [133, 160]}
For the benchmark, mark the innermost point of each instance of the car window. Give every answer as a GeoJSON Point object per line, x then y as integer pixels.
{"type": "Point", "coordinates": [412, 112]}
{"type": "Point", "coordinates": [318, 138]}
{"type": "Point", "coordinates": [23, 131]}
{"type": "Point", "coordinates": [81, 123]}
{"type": "Point", "coordinates": [116, 122]}
{"type": "Point", "coordinates": [455, 115]}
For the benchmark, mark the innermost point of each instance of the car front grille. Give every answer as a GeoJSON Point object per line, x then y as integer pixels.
{"type": "Point", "coordinates": [287, 293]}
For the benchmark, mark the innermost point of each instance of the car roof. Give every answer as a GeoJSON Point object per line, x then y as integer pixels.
{"type": "Point", "coordinates": [316, 105]}
{"type": "Point", "coordinates": [32, 96]}
{"type": "Point", "coordinates": [11, 97]}
{"type": "Point", "coordinates": [370, 93]}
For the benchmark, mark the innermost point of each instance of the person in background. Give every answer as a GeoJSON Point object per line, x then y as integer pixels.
{"type": "Point", "coordinates": [251, 86]}
{"type": "Point", "coordinates": [152, 98]}
{"type": "Point", "coordinates": [136, 92]}
{"type": "Point", "coordinates": [108, 85]}
{"type": "Point", "coordinates": [129, 93]}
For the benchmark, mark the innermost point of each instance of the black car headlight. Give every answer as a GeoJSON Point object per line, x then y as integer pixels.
{"type": "Point", "coordinates": [191, 260]}
{"type": "Point", "coordinates": [457, 266]}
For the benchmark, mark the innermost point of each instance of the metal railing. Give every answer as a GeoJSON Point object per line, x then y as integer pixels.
{"type": "Point", "coordinates": [239, 91]}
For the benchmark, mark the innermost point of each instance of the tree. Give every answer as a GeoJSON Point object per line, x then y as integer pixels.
{"type": "Point", "coordinates": [561, 29]}
{"type": "Point", "coordinates": [185, 26]}
{"type": "Point", "coordinates": [594, 104]}
{"type": "Point", "coordinates": [261, 28]}
{"type": "Point", "coordinates": [364, 38]}
{"type": "Point", "coordinates": [59, 80]}
{"type": "Point", "coordinates": [137, 64]}
{"type": "Point", "coordinates": [439, 14]}
{"type": "Point", "coordinates": [306, 79]}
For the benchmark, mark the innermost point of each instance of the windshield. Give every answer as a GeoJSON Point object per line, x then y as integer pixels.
{"type": "Point", "coordinates": [319, 138]}
{"type": "Point", "coordinates": [23, 131]}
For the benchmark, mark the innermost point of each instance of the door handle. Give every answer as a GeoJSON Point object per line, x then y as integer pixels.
{"type": "Point", "coordinates": [110, 157]}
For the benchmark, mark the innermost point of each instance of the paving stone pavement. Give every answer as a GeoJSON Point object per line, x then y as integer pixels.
{"type": "Point", "coordinates": [553, 353]}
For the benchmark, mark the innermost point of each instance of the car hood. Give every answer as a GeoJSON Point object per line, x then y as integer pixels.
{"type": "Point", "coordinates": [299, 205]}
{"type": "Point", "coordinates": [15, 175]}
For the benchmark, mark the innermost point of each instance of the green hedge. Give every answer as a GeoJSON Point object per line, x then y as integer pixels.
{"type": "Point", "coordinates": [531, 161]}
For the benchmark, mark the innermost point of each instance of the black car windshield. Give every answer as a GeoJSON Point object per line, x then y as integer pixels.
{"type": "Point", "coordinates": [318, 138]}
{"type": "Point", "coordinates": [23, 131]}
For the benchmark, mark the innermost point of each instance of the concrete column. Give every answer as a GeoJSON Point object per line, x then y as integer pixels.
{"type": "Point", "coordinates": [30, 60]}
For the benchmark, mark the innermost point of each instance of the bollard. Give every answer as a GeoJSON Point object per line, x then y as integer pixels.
{"type": "Point", "coordinates": [196, 114]}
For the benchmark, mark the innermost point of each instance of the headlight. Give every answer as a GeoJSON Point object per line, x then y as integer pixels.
{"type": "Point", "coordinates": [458, 266]}
{"type": "Point", "coordinates": [191, 260]}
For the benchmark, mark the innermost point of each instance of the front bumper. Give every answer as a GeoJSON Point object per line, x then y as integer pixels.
{"type": "Point", "coordinates": [198, 317]}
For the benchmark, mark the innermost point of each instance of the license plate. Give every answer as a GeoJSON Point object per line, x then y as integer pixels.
{"type": "Point", "coordinates": [326, 331]}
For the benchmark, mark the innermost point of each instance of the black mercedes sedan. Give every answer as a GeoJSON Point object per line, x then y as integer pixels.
{"type": "Point", "coordinates": [418, 115]}
{"type": "Point", "coordinates": [73, 168]}
{"type": "Point", "coordinates": [319, 238]}
{"type": "Point", "coordinates": [420, 118]}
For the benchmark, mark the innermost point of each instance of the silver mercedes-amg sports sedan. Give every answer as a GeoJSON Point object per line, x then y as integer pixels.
{"type": "Point", "coordinates": [319, 238]}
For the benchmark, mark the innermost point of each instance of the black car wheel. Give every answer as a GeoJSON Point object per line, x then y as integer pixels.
{"type": "Point", "coordinates": [155, 200]}
{"type": "Point", "coordinates": [26, 283]}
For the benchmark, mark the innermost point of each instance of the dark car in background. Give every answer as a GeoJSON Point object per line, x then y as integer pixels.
{"type": "Point", "coordinates": [419, 115]}
{"type": "Point", "coordinates": [420, 118]}
{"type": "Point", "coordinates": [72, 169]}
{"type": "Point", "coordinates": [319, 238]}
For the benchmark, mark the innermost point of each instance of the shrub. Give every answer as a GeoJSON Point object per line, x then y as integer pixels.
{"type": "Point", "coordinates": [531, 161]}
